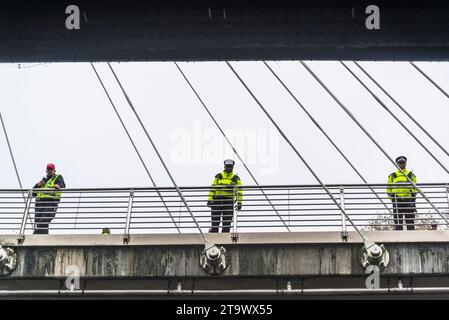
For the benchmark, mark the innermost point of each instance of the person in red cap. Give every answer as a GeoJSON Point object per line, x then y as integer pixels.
{"type": "Point", "coordinates": [47, 201]}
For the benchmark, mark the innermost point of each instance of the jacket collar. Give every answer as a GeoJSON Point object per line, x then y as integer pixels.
{"type": "Point", "coordinates": [227, 175]}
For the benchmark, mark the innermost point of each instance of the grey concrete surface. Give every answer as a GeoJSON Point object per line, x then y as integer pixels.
{"type": "Point", "coordinates": [225, 238]}
{"type": "Point", "coordinates": [254, 255]}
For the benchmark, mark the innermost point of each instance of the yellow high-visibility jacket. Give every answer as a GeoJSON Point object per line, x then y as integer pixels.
{"type": "Point", "coordinates": [399, 186]}
{"type": "Point", "coordinates": [226, 181]}
{"type": "Point", "coordinates": [50, 184]}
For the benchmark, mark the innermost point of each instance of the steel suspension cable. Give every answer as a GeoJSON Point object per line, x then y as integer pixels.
{"type": "Point", "coordinates": [133, 144]}
{"type": "Point", "coordinates": [228, 141]}
{"type": "Point", "coordinates": [394, 116]}
{"type": "Point", "coordinates": [10, 152]}
{"type": "Point", "coordinates": [346, 110]}
{"type": "Point", "coordinates": [161, 159]}
{"type": "Point", "coordinates": [281, 132]}
{"type": "Point", "coordinates": [430, 79]}
{"type": "Point", "coordinates": [315, 122]}
{"type": "Point", "coordinates": [13, 160]}
{"type": "Point", "coordinates": [402, 108]}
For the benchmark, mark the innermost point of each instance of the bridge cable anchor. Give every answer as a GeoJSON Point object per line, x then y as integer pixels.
{"type": "Point", "coordinates": [373, 254]}
{"type": "Point", "coordinates": [8, 260]}
{"type": "Point", "coordinates": [214, 260]}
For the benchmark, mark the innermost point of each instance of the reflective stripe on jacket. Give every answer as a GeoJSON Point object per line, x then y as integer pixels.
{"type": "Point", "coordinates": [50, 184]}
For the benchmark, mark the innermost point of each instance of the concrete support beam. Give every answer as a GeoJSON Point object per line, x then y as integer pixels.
{"type": "Point", "coordinates": [256, 255]}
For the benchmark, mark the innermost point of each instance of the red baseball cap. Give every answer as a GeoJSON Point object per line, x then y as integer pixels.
{"type": "Point", "coordinates": [51, 166]}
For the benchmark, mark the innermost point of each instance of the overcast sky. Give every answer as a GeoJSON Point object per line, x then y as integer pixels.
{"type": "Point", "coordinates": [59, 113]}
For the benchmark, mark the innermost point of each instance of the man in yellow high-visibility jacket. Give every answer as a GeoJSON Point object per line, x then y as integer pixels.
{"type": "Point", "coordinates": [403, 195]}
{"type": "Point", "coordinates": [47, 201]}
{"type": "Point", "coordinates": [222, 198]}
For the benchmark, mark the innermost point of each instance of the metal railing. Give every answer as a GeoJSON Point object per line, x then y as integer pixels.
{"type": "Point", "coordinates": [265, 209]}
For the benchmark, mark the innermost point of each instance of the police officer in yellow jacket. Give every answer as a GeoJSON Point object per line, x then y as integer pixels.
{"type": "Point", "coordinates": [47, 201]}
{"type": "Point", "coordinates": [222, 197]}
{"type": "Point", "coordinates": [403, 195]}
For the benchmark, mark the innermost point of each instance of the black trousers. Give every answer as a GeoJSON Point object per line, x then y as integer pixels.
{"type": "Point", "coordinates": [45, 211]}
{"type": "Point", "coordinates": [404, 209]}
{"type": "Point", "coordinates": [222, 210]}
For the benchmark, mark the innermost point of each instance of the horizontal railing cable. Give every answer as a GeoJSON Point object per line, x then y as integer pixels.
{"type": "Point", "coordinates": [300, 208]}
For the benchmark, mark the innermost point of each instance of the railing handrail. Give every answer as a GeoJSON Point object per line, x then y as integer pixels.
{"type": "Point", "coordinates": [159, 209]}
{"type": "Point", "coordinates": [243, 187]}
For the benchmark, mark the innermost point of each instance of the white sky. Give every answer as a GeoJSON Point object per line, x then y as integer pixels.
{"type": "Point", "coordinates": [59, 113]}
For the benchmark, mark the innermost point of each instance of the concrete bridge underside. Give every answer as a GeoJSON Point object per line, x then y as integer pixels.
{"type": "Point", "coordinates": [261, 264]}
{"type": "Point", "coordinates": [204, 30]}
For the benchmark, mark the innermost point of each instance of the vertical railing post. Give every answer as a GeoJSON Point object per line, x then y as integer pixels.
{"type": "Point", "coordinates": [447, 195]}
{"type": "Point", "coordinates": [26, 212]}
{"type": "Point", "coordinates": [288, 201]}
{"type": "Point", "coordinates": [127, 236]}
{"type": "Point", "coordinates": [344, 232]}
{"type": "Point", "coordinates": [234, 235]}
